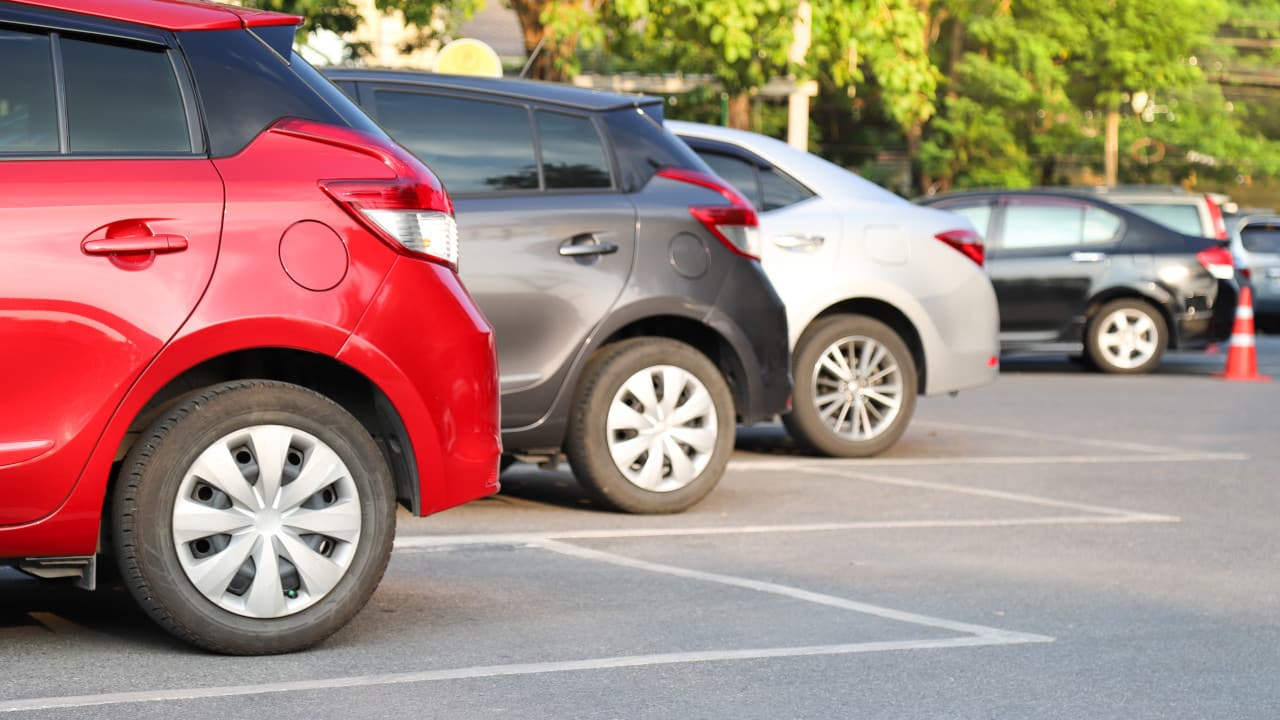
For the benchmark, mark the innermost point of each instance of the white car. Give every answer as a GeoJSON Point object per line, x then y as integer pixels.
{"type": "Point", "coordinates": [885, 299]}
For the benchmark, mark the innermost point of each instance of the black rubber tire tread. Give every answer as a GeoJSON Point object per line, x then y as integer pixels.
{"type": "Point", "coordinates": [803, 422]}
{"type": "Point", "coordinates": [1094, 351]}
{"type": "Point", "coordinates": [586, 443]}
{"type": "Point", "coordinates": [154, 468]}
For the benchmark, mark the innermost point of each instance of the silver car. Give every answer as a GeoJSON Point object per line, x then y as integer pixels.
{"type": "Point", "coordinates": [885, 300]}
{"type": "Point", "coordinates": [1255, 242]}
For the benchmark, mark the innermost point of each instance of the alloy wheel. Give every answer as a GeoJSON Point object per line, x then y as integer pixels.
{"type": "Point", "coordinates": [857, 387]}
{"type": "Point", "coordinates": [1128, 338]}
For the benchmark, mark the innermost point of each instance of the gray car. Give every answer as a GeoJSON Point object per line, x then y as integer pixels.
{"type": "Point", "coordinates": [1255, 241]}
{"type": "Point", "coordinates": [634, 324]}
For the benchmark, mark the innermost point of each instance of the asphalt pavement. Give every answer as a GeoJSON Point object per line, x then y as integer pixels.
{"type": "Point", "coordinates": [1062, 544]}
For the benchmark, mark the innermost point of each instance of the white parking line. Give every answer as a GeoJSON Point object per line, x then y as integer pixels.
{"type": "Point", "coordinates": [1027, 435]}
{"type": "Point", "coordinates": [788, 463]}
{"type": "Point", "coordinates": [491, 671]}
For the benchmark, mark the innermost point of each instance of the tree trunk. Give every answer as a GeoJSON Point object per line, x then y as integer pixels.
{"type": "Point", "coordinates": [740, 111]}
{"type": "Point", "coordinates": [919, 178]}
{"type": "Point", "coordinates": [543, 65]}
{"type": "Point", "coordinates": [1111, 149]}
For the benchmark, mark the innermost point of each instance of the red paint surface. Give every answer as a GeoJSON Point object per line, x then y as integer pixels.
{"type": "Point", "coordinates": [171, 14]}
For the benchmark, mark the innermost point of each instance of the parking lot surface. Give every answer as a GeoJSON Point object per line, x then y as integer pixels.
{"type": "Point", "coordinates": [1060, 545]}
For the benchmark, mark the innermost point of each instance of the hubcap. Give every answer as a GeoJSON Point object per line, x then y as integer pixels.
{"type": "Point", "coordinates": [662, 428]}
{"type": "Point", "coordinates": [1128, 338]}
{"type": "Point", "coordinates": [857, 388]}
{"type": "Point", "coordinates": [266, 521]}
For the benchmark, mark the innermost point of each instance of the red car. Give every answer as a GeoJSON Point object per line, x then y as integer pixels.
{"type": "Point", "coordinates": [233, 331]}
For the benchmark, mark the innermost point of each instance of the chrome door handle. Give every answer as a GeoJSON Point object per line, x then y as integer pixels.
{"type": "Point", "coordinates": [1088, 257]}
{"type": "Point", "coordinates": [798, 242]}
{"type": "Point", "coordinates": [586, 245]}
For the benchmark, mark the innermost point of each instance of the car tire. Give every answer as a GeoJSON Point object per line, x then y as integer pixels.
{"type": "Point", "coordinates": [829, 392]}
{"type": "Point", "coordinates": [230, 471]}
{"type": "Point", "coordinates": [626, 446]}
{"type": "Point", "coordinates": [1126, 336]}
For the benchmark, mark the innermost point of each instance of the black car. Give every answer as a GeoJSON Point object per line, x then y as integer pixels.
{"type": "Point", "coordinates": [634, 324]}
{"type": "Point", "coordinates": [1080, 275]}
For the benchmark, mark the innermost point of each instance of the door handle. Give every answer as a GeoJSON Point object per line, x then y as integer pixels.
{"type": "Point", "coordinates": [135, 245]}
{"type": "Point", "coordinates": [586, 245]}
{"type": "Point", "coordinates": [799, 242]}
{"type": "Point", "coordinates": [1088, 257]}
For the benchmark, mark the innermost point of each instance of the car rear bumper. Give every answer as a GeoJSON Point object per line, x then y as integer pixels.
{"type": "Point", "coordinates": [962, 342]}
{"type": "Point", "coordinates": [751, 316]}
{"type": "Point", "coordinates": [1211, 324]}
{"type": "Point", "coordinates": [430, 350]}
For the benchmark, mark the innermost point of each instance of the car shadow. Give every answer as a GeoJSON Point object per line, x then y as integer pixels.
{"type": "Point", "coordinates": [108, 615]}
{"type": "Point", "coordinates": [1202, 363]}
{"type": "Point", "coordinates": [548, 486]}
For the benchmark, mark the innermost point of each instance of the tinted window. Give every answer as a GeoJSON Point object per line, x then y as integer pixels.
{"type": "Point", "coordinates": [644, 147]}
{"type": "Point", "coordinates": [979, 215]}
{"type": "Point", "coordinates": [245, 87]}
{"type": "Point", "coordinates": [1183, 218]}
{"type": "Point", "coordinates": [740, 174]}
{"type": "Point", "coordinates": [1033, 224]}
{"type": "Point", "coordinates": [473, 145]}
{"type": "Point", "coordinates": [28, 111]}
{"type": "Point", "coordinates": [1261, 238]}
{"type": "Point", "coordinates": [572, 157]}
{"type": "Point", "coordinates": [779, 190]}
{"type": "Point", "coordinates": [122, 100]}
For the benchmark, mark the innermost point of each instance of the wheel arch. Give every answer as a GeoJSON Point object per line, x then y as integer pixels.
{"type": "Point", "coordinates": [1155, 296]}
{"type": "Point", "coordinates": [889, 315]}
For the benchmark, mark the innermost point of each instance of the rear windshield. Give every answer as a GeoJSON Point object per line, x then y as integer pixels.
{"type": "Point", "coordinates": [1183, 218]}
{"type": "Point", "coordinates": [1261, 238]}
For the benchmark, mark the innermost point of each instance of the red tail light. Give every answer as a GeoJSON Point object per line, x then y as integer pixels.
{"type": "Point", "coordinates": [402, 212]}
{"type": "Point", "coordinates": [1215, 214]}
{"type": "Point", "coordinates": [735, 225]}
{"type": "Point", "coordinates": [1218, 261]}
{"type": "Point", "coordinates": [411, 212]}
{"type": "Point", "coordinates": [968, 242]}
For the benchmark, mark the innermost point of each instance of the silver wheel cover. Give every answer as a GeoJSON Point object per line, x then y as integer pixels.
{"type": "Point", "coordinates": [857, 388]}
{"type": "Point", "coordinates": [266, 521]}
{"type": "Point", "coordinates": [1127, 338]}
{"type": "Point", "coordinates": [662, 428]}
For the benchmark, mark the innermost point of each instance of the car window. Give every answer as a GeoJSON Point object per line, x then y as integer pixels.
{"type": "Point", "coordinates": [978, 215]}
{"type": "Point", "coordinates": [473, 145]}
{"type": "Point", "coordinates": [739, 173]}
{"type": "Point", "coordinates": [779, 191]}
{"type": "Point", "coordinates": [1038, 224]}
{"type": "Point", "coordinates": [122, 99]}
{"type": "Point", "coordinates": [1261, 238]}
{"type": "Point", "coordinates": [1183, 218]}
{"type": "Point", "coordinates": [644, 146]}
{"type": "Point", "coordinates": [28, 110]}
{"type": "Point", "coordinates": [1100, 226]}
{"type": "Point", "coordinates": [572, 156]}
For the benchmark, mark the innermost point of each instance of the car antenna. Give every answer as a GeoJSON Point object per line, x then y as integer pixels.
{"type": "Point", "coordinates": [532, 56]}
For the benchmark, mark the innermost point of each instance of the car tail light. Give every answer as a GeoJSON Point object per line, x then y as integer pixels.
{"type": "Point", "coordinates": [1215, 214]}
{"type": "Point", "coordinates": [1218, 261]}
{"type": "Point", "coordinates": [411, 212]}
{"type": "Point", "coordinates": [735, 225]}
{"type": "Point", "coordinates": [968, 242]}
{"type": "Point", "coordinates": [404, 212]}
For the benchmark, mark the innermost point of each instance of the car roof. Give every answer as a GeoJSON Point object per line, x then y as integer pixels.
{"type": "Point", "coordinates": [823, 177]}
{"type": "Point", "coordinates": [532, 90]}
{"type": "Point", "coordinates": [171, 14]}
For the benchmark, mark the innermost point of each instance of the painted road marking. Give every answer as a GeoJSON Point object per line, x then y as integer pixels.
{"type": "Point", "coordinates": [796, 463]}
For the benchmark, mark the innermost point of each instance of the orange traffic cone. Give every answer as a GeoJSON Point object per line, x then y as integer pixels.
{"type": "Point", "coordinates": [1242, 356]}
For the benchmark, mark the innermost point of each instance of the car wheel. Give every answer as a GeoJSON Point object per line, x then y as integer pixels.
{"type": "Point", "coordinates": [1127, 336]}
{"type": "Point", "coordinates": [652, 428]}
{"type": "Point", "coordinates": [855, 387]}
{"type": "Point", "coordinates": [254, 517]}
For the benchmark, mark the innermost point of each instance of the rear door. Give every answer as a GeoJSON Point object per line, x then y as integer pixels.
{"type": "Point", "coordinates": [546, 236]}
{"type": "Point", "coordinates": [111, 219]}
{"type": "Point", "coordinates": [1048, 257]}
